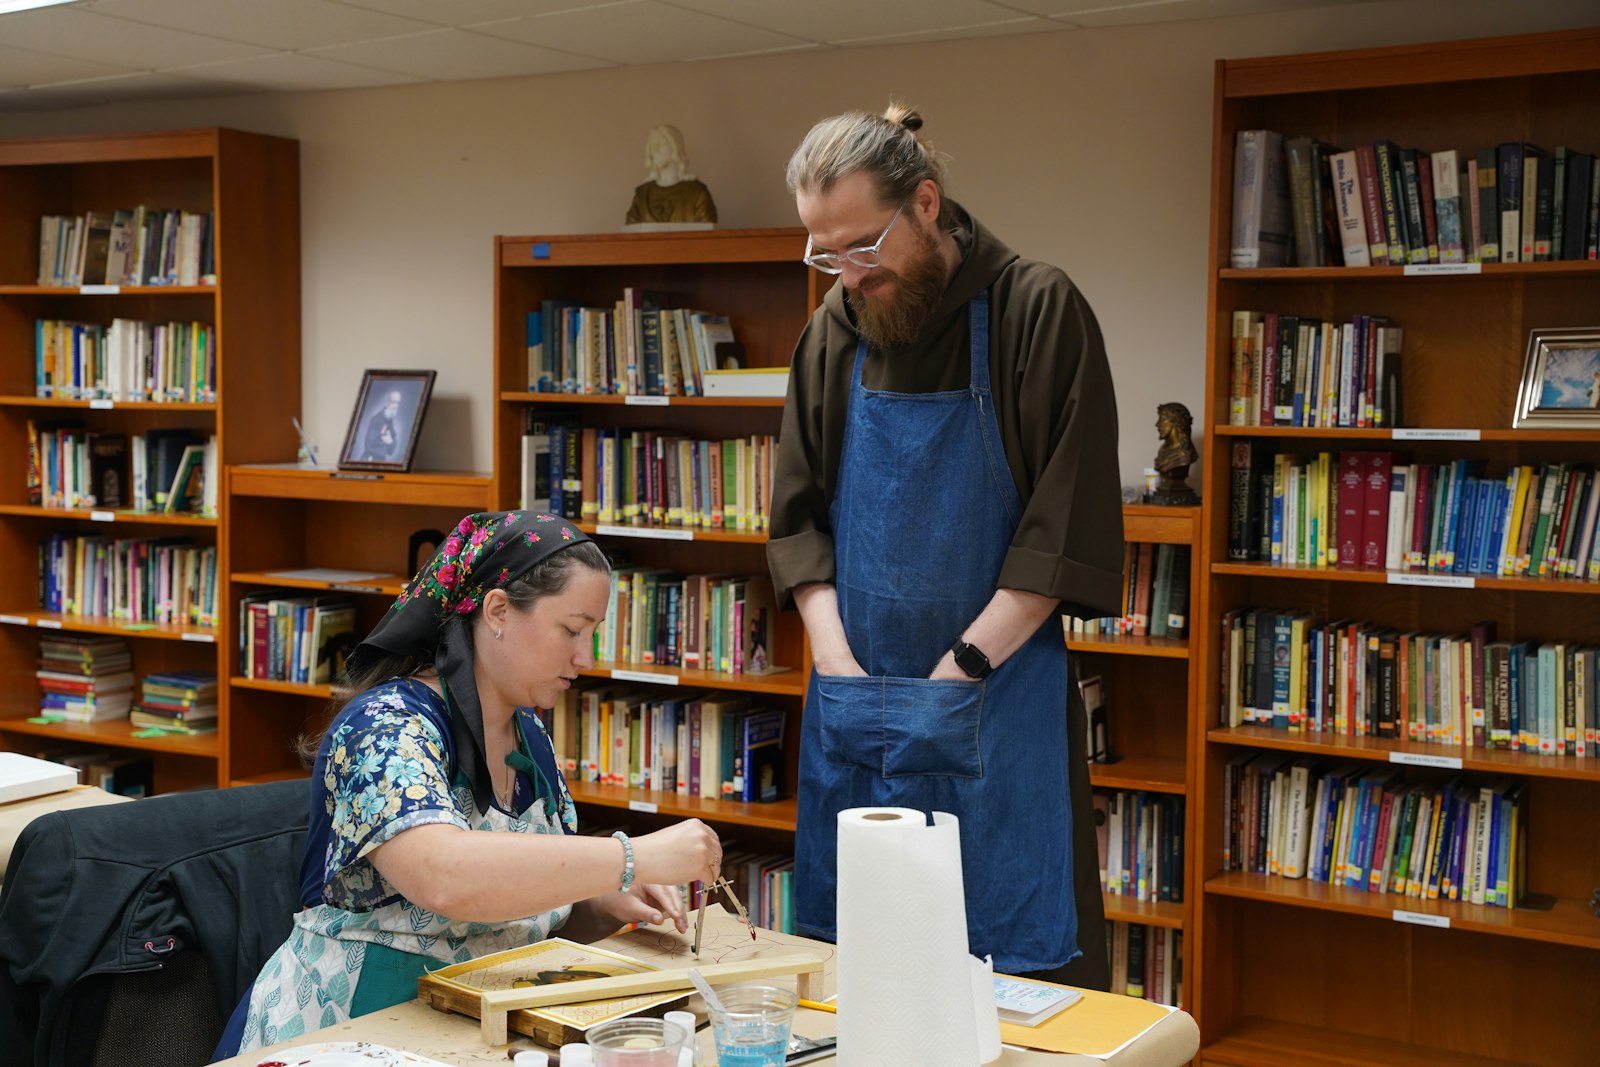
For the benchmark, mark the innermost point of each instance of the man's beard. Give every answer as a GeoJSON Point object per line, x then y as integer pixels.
{"type": "Point", "coordinates": [918, 291]}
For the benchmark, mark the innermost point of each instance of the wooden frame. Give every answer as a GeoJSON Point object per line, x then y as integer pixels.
{"type": "Point", "coordinates": [1560, 380]}
{"type": "Point", "coordinates": [387, 420]}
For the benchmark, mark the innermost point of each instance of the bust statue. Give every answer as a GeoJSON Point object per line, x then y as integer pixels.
{"type": "Point", "coordinates": [1174, 457]}
{"type": "Point", "coordinates": [672, 194]}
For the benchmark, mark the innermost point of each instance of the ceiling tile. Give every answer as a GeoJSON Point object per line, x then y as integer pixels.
{"type": "Point", "coordinates": [1014, 25]}
{"type": "Point", "coordinates": [641, 31]}
{"type": "Point", "coordinates": [274, 24]}
{"type": "Point", "coordinates": [828, 21]}
{"type": "Point", "coordinates": [120, 89]}
{"type": "Point", "coordinates": [103, 39]}
{"type": "Point", "coordinates": [19, 66]}
{"type": "Point", "coordinates": [1101, 13]}
{"type": "Point", "coordinates": [293, 72]}
{"type": "Point", "coordinates": [449, 55]}
{"type": "Point", "coordinates": [467, 12]}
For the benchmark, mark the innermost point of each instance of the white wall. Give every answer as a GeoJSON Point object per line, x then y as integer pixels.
{"type": "Point", "coordinates": [1089, 149]}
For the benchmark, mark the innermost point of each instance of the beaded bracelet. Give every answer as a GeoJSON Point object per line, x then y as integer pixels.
{"type": "Point", "coordinates": [627, 861]}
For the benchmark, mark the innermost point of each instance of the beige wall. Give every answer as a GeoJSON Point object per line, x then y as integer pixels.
{"type": "Point", "coordinates": [1089, 149]}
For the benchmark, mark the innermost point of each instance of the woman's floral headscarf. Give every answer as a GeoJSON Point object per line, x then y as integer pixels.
{"type": "Point", "coordinates": [428, 621]}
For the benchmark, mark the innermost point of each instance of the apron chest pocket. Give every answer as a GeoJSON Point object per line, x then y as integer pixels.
{"type": "Point", "coordinates": [896, 727]}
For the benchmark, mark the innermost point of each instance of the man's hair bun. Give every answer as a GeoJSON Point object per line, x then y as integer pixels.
{"type": "Point", "coordinates": [901, 115]}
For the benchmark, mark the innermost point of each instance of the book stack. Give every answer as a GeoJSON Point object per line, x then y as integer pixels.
{"type": "Point", "coordinates": [129, 776]}
{"type": "Point", "coordinates": [85, 679]}
{"type": "Point", "coordinates": [716, 745]}
{"type": "Point", "coordinates": [635, 347]}
{"type": "Point", "coordinates": [1146, 961]}
{"type": "Point", "coordinates": [136, 247]}
{"type": "Point", "coordinates": [179, 701]}
{"type": "Point", "coordinates": [288, 638]}
{"type": "Point", "coordinates": [1300, 202]}
{"type": "Point", "coordinates": [647, 477]}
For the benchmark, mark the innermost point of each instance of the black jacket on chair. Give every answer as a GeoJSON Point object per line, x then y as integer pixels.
{"type": "Point", "coordinates": [96, 894]}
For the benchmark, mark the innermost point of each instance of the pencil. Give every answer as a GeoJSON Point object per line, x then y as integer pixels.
{"type": "Point", "coordinates": [818, 1005]}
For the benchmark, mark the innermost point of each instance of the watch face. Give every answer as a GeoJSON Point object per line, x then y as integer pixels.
{"type": "Point", "coordinates": [969, 659]}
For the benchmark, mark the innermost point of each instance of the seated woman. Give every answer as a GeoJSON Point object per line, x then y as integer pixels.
{"type": "Point", "coordinates": [441, 828]}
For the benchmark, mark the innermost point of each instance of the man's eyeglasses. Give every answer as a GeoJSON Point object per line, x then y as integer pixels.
{"type": "Point", "coordinates": [865, 257]}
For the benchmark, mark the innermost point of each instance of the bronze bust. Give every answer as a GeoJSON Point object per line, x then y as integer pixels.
{"type": "Point", "coordinates": [1176, 454]}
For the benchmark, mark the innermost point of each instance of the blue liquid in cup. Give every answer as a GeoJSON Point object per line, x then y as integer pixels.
{"type": "Point", "coordinates": [752, 1044]}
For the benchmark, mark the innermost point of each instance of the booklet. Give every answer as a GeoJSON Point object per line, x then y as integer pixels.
{"type": "Point", "coordinates": [1028, 1003]}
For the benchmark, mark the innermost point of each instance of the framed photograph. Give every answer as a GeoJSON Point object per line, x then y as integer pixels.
{"type": "Point", "coordinates": [386, 420]}
{"type": "Point", "coordinates": [1560, 380]}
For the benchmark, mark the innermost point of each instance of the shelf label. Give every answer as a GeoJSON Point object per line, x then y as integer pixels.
{"type": "Point", "coordinates": [644, 806]}
{"type": "Point", "coordinates": [1417, 918]}
{"type": "Point", "coordinates": [1421, 433]}
{"type": "Point", "coordinates": [348, 588]}
{"type": "Point", "coordinates": [1419, 269]}
{"type": "Point", "coordinates": [102, 516]}
{"type": "Point", "coordinates": [540, 250]}
{"type": "Point", "coordinates": [1419, 759]}
{"type": "Point", "coordinates": [656, 533]}
{"type": "Point", "coordinates": [642, 676]}
{"type": "Point", "coordinates": [49, 624]}
{"type": "Point", "coordinates": [636, 400]}
{"type": "Point", "coordinates": [15, 620]}
{"type": "Point", "coordinates": [99, 290]}
{"type": "Point", "coordinates": [204, 639]}
{"type": "Point", "coordinates": [348, 476]}
{"type": "Point", "coordinates": [1437, 581]}
{"type": "Point", "coordinates": [102, 404]}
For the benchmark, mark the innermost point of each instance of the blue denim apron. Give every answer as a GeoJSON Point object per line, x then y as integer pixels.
{"type": "Point", "coordinates": [923, 515]}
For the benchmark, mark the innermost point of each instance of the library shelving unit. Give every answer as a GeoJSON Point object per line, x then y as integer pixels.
{"type": "Point", "coordinates": [1298, 973]}
{"type": "Point", "coordinates": [285, 518]}
{"type": "Point", "coordinates": [756, 278]}
{"type": "Point", "coordinates": [1150, 687]}
{"type": "Point", "coordinates": [250, 183]}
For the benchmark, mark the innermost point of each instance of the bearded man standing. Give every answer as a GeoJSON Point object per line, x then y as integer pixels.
{"type": "Point", "coordinates": [947, 486]}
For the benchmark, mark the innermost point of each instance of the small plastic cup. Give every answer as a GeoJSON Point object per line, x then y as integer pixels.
{"type": "Point", "coordinates": [752, 1029]}
{"type": "Point", "coordinates": [636, 1042]}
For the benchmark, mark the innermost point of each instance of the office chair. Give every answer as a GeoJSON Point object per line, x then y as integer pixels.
{"type": "Point", "coordinates": [129, 932]}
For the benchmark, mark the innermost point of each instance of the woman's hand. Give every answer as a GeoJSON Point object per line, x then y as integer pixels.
{"type": "Point", "coordinates": [688, 851]}
{"type": "Point", "coordinates": [646, 904]}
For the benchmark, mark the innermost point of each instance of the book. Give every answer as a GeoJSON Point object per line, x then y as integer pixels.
{"type": "Point", "coordinates": [746, 381]}
{"type": "Point", "coordinates": [762, 756]}
{"type": "Point", "coordinates": [1261, 232]}
{"type": "Point", "coordinates": [22, 777]}
{"type": "Point", "coordinates": [1026, 1002]}
{"type": "Point", "coordinates": [1351, 215]}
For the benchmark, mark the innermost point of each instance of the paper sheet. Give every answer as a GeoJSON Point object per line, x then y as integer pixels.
{"type": "Point", "coordinates": [1099, 1025]}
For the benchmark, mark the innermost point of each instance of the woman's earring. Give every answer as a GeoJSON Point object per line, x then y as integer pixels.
{"type": "Point", "coordinates": [497, 635]}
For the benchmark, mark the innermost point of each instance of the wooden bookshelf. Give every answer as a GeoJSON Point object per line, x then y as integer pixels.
{"type": "Point", "coordinates": [287, 518]}
{"type": "Point", "coordinates": [755, 277]}
{"type": "Point", "coordinates": [1149, 687]}
{"type": "Point", "coordinates": [249, 183]}
{"type": "Point", "coordinates": [1292, 972]}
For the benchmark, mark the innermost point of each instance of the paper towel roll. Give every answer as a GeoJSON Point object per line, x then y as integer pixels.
{"type": "Point", "coordinates": [984, 1009]}
{"type": "Point", "coordinates": [904, 974]}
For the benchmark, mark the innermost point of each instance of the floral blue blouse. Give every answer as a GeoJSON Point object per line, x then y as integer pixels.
{"type": "Point", "coordinates": [384, 767]}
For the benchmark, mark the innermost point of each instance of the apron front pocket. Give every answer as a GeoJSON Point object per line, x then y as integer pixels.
{"type": "Point", "coordinates": [932, 727]}
{"type": "Point", "coordinates": [850, 709]}
{"type": "Point", "coordinates": [897, 727]}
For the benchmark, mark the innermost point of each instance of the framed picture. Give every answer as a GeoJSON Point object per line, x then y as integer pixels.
{"type": "Point", "coordinates": [386, 420]}
{"type": "Point", "coordinates": [1560, 380]}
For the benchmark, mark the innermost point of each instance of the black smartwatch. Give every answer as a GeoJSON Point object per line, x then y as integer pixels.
{"type": "Point", "coordinates": [970, 659]}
